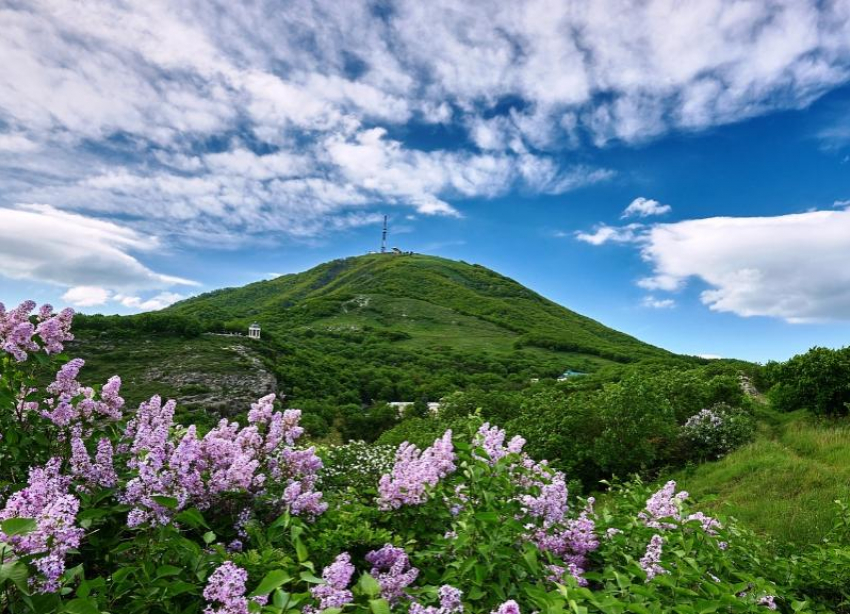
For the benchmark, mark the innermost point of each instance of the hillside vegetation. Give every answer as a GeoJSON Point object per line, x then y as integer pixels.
{"type": "Point", "coordinates": [347, 336]}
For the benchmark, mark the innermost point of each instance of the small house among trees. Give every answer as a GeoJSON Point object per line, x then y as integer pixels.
{"type": "Point", "coordinates": [254, 331]}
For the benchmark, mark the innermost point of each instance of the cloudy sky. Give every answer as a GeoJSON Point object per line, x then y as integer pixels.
{"type": "Point", "coordinates": [679, 171]}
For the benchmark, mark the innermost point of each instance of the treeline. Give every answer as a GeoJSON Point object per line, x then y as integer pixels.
{"type": "Point", "coordinates": [165, 323]}
{"type": "Point", "coordinates": [818, 380]}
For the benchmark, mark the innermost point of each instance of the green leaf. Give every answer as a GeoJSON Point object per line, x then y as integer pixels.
{"type": "Point", "coordinates": [168, 502]}
{"type": "Point", "coordinates": [18, 526]}
{"type": "Point", "coordinates": [271, 581]}
{"type": "Point", "coordinates": [16, 572]}
{"type": "Point", "coordinates": [369, 585]}
{"type": "Point", "coordinates": [209, 537]}
{"type": "Point", "coordinates": [379, 606]}
{"type": "Point", "coordinates": [178, 588]}
{"type": "Point", "coordinates": [168, 570]}
{"type": "Point", "coordinates": [192, 517]}
{"type": "Point", "coordinates": [301, 550]}
{"type": "Point", "coordinates": [488, 517]}
{"type": "Point", "coordinates": [82, 606]}
{"type": "Point", "coordinates": [310, 578]}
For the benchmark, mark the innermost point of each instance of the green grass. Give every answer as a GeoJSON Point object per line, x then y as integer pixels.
{"type": "Point", "coordinates": [785, 483]}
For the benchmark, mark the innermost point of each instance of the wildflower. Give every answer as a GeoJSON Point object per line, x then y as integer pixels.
{"type": "Point", "coordinates": [650, 562]}
{"type": "Point", "coordinates": [391, 568]}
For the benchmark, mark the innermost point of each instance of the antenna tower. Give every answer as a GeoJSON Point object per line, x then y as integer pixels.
{"type": "Point", "coordinates": [384, 237]}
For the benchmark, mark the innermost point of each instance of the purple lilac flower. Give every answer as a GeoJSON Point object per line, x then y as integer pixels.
{"type": "Point", "coordinates": [73, 403]}
{"type": "Point", "coordinates": [665, 506]}
{"type": "Point", "coordinates": [334, 592]}
{"type": "Point", "coordinates": [611, 532]}
{"type": "Point", "coordinates": [450, 602]}
{"type": "Point", "coordinates": [708, 524]}
{"type": "Point", "coordinates": [45, 499]}
{"type": "Point", "coordinates": [650, 562]}
{"type": "Point", "coordinates": [492, 439]}
{"type": "Point", "coordinates": [17, 333]}
{"type": "Point", "coordinates": [551, 504]}
{"type": "Point", "coordinates": [509, 607]}
{"type": "Point", "coordinates": [769, 601]}
{"type": "Point", "coordinates": [414, 472]}
{"type": "Point", "coordinates": [391, 568]}
{"type": "Point", "coordinates": [225, 590]}
{"type": "Point", "coordinates": [570, 539]}
{"type": "Point", "coordinates": [101, 472]}
{"type": "Point", "coordinates": [227, 459]}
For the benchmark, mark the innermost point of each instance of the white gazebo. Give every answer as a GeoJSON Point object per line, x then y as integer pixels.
{"type": "Point", "coordinates": [254, 331]}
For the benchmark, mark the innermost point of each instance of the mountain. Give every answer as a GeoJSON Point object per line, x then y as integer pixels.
{"type": "Point", "coordinates": [432, 301]}
{"type": "Point", "coordinates": [380, 327]}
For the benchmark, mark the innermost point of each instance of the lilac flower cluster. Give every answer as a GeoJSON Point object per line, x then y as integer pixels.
{"type": "Point", "coordinates": [334, 592]}
{"type": "Point", "coordinates": [227, 459]}
{"type": "Point", "coordinates": [509, 607]}
{"type": "Point", "coordinates": [492, 439]}
{"type": "Point", "coordinates": [226, 588]}
{"type": "Point", "coordinates": [650, 562]}
{"type": "Point", "coordinates": [45, 499]}
{"type": "Point", "coordinates": [101, 471]}
{"type": "Point", "coordinates": [414, 472]}
{"type": "Point", "coordinates": [571, 539]}
{"type": "Point", "coordinates": [450, 602]}
{"type": "Point", "coordinates": [664, 511]}
{"type": "Point", "coordinates": [768, 601]}
{"type": "Point", "coordinates": [18, 333]}
{"type": "Point", "coordinates": [391, 568]}
{"type": "Point", "coordinates": [74, 404]}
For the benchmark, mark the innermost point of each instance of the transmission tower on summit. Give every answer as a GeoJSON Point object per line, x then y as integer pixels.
{"type": "Point", "coordinates": [384, 237]}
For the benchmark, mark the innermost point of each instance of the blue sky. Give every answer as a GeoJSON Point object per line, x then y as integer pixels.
{"type": "Point", "coordinates": [677, 171]}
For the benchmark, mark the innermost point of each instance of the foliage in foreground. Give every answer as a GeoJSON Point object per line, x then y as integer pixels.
{"type": "Point", "coordinates": [107, 511]}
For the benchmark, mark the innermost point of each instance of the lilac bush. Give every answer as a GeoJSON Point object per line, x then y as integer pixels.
{"type": "Point", "coordinates": [128, 510]}
{"type": "Point", "coordinates": [714, 432]}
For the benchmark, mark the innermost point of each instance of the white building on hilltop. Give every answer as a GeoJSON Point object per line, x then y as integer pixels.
{"type": "Point", "coordinates": [254, 331]}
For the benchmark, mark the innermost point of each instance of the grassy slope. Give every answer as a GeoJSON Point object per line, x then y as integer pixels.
{"type": "Point", "coordinates": [439, 302]}
{"type": "Point", "coordinates": [784, 483]}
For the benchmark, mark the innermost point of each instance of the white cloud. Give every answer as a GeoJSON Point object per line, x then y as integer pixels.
{"type": "Point", "coordinates": [41, 243]}
{"type": "Point", "coordinates": [710, 356]}
{"type": "Point", "coordinates": [645, 207]}
{"type": "Point", "coordinates": [86, 296]}
{"type": "Point", "coordinates": [658, 303]}
{"type": "Point", "coordinates": [306, 104]}
{"type": "Point", "coordinates": [792, 267]}
{"type": "Point", "coordinates": [159, 301]}
{"type": "Point", "coordinates": [612, 234]}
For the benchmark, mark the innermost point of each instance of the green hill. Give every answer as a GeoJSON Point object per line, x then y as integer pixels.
{"type": "Point", "coordinates": [356, 331]}
{"type": "Point", "coordinates": [435, 301]}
